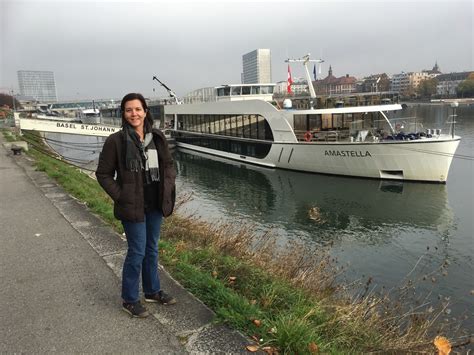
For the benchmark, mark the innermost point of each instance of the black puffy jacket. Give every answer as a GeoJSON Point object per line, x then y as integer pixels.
{"type": "Point", "coordinates": [126, 190]}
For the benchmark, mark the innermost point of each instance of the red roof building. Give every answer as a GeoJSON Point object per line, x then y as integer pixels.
{"type": "Point", "coordinates": [331, 85]}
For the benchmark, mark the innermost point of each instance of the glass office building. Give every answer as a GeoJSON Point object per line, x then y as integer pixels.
{"type": "Point", "coordinates": [38, 84]}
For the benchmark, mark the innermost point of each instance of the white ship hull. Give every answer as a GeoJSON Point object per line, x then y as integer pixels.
{"type": "Point", "coordinates": [258, 133]}
{"type": "Point", "coordinates": [428, 160]}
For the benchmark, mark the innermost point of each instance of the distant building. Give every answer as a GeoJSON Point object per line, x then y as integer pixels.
{"type": "Point", "coordinates": [280, 87]}
{"type": "Point", "coordinates": [331, 85]}
{"type": "Point", "coordinates": [435, 71]}
{"type": "Point", "coordinates": [406, 83]}
{"type": "Point", "coordinates": [38, 84]}
{"type": "Point", "coordinates": [298, 87]}
{"type": "Point", "coordinates": [448, 83]}
{"type": "Point", "coordinates": [374, 83]}
{"type": "Point", "coordinates": [257, 67]}
{"type": "Point", "coordinates": [400, 82]}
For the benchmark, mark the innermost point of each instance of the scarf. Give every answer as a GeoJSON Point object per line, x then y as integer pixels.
{"type": "Point", "coordinates": [141, 156]}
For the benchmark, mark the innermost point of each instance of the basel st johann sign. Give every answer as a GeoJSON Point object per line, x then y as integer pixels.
{"type": "Point", "coordinates": [83, 129]}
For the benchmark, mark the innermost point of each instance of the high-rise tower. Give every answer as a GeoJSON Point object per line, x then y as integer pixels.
{"type": "Point", "coordinates": [257, 67]}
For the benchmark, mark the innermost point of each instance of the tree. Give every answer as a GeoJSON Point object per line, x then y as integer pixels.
{"type": "Point", "coordinates": [8, 100]}
{"type": "Point", "coordinates": [408, 92]}
{"type": "Point", "coordinates": [427, 87]}
{"type": "Point", "coordinates": [466, 87]}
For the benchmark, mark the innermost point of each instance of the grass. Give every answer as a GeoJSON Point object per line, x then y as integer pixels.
{"type": "Point", "coordinates": [287, 301]}
{"type": "Point", "coordinates": [9, 135]}
{"type": "Point", "coordinates": [268, 309]}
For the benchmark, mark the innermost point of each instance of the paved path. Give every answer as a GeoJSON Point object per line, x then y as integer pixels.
{"type": "Point", "coordinates": [60, 280]}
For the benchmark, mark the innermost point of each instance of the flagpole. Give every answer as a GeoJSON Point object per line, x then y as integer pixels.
{"type": "Point", "coordinates": [305, 60]}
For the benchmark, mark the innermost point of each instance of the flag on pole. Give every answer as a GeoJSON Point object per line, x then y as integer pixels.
{"type": "Point", "coordinates": [289, 81]}
{"type": "Point", "coordinates": [314, 72]}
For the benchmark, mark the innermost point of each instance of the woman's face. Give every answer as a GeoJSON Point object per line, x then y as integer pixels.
{"type": "Point", "coordinates": [135, 114]}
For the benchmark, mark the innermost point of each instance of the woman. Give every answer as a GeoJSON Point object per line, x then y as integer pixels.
{"type": "Point", "coordinates": [136, 170]}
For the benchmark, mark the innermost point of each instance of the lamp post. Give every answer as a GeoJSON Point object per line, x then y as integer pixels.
{"type": "Point", "coordinates": [13, 101]}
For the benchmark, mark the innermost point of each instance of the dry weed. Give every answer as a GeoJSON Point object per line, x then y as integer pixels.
{"type": "Point", "coordinates": [401, 325]}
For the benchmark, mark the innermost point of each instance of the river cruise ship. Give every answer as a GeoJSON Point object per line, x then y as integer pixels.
{"type": "Point", "coordinates": [353, 141]}
{"type": "Point", "coordinates": [360, 141]}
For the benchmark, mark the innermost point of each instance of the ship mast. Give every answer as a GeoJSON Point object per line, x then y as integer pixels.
{"type": "Point", "coordinates": [305, 60]}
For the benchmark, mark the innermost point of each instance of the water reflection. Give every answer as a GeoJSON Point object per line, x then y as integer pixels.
{"type": "Point", "coordinates": [316, 205]}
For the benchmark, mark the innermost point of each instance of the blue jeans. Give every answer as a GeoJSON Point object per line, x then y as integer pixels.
{"type": "Point", "coordinates": [142, 257]}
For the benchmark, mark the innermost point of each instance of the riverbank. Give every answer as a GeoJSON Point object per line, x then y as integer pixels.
{"type": "Point", "coordinates": [271, 297]}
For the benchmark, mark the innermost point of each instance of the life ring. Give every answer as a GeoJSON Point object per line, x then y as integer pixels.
{"type": "Point", "coordinates": [308, 136]}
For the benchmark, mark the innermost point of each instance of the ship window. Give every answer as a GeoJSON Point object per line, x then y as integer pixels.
{"type": "Point", "coordinates": [303, 123]}
{"type": "Point", "coordinates": [202, 123]}
{"type": "Point", "coordinates": [337, 120]}
{"type": "Point", "coordinates": [207, 124]}
{"type": "Point", "coordinates": [260, 127]}
{"type": "Point", "coordinates": [233, 126]}
{"type": "Point", "coordinates": [299, 123]}
{"type": "Point", "coordinates": [183, 122]}
{"type": "Point", "coordinates": [212, 124]}
{"type": "Point", "coordinates": [266, 89]}
{"type": "Point", "coordinates": [348, 118]}
{"type": "Point", "coordinates": [236, 90]}
{"type": "Point", "coordinates": [248, 126]}
{"type": "Point", "coordinates": [314, 123]}
{"type": "Point", "coordinates": [253, 126]}
{"type": "Point", "coordinates": [251, 149]}
{"type": "Point", "coordinates": [326, 120]}
{"type": "Point", "coordinates": [195, 123]}
{"type": "Point", "coordinates": [357, 122]}
{"type": "Point", "coordinates": [220, 124]}
{"type": "Point", "coordinates": [255, 90]}
{"type": "Point", "coordinates": [240, 126]}
{"type": "Point", "coordinates": [369, 118]}
{"type": "Point", "coordinates": [187, 122]}
{"type": "Point", "coordinates": [245, 90]}
{"type": "Point", "coordinates": [227, 126]}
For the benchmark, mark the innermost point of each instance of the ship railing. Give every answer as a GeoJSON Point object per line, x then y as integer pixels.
{"type": "Point", "coordinates": [323, 136]}
{"type": "Point", "coordinates": [342, 135]}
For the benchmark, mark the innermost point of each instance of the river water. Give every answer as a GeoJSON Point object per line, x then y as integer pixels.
{"type": "Point", "coordinates": [388, 231]}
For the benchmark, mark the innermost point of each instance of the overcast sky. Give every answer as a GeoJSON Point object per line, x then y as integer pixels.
{"type": "Point", "coordinates": [105, 49]}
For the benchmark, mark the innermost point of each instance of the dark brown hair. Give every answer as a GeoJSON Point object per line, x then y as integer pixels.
{"type": "Point", "coordinates": [137, 96]}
